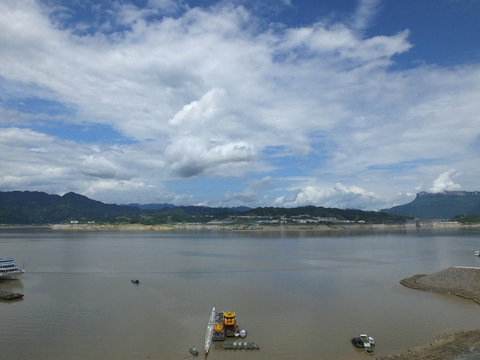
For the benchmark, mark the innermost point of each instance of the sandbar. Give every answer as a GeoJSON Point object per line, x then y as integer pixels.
{"type": "Point", "coordinates": [453, 345]}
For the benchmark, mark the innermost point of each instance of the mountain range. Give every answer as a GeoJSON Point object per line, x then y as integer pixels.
{"type": "Point", "coordinates": [445, 205]}
{"type": "Point", "coordinates": [32, 207]}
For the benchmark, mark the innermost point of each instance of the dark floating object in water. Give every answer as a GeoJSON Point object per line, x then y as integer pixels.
{"type": "Point", "coordinates": [357, 342]}
{"type": "Point", "coordinates": [135, 281]}
{"type": "Point", "coordinates": [193, 350]}
{"type": "Point", "coordinates": [7, 295]}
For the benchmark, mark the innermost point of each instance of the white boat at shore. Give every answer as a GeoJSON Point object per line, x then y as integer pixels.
{"type": "Point", "coordinates": [364, 341]}
{"type": "Point", "coordinates": [8, 269]}
{"type": "Point", "coordinates": [209, 333]}
{"type": "Point", "coordinates": [242, 333]}
{"type": "Point", "coordinates": [368, 342]}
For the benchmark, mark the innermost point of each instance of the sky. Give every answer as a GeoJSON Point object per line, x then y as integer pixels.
{"type": "Point", "coordinates": [356, 104]}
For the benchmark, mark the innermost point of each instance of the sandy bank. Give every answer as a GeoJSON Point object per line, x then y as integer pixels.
{"type": "Point", "coordinates": [458, 280]}
{"type": "Point", "coordinates": [211, 227]}
{"type": "Point", "coordinates": [455, 345]}
{"type": "Point", "coordinates": [263, 227]}
{"type": "Point", "coordinates": [111, 227]}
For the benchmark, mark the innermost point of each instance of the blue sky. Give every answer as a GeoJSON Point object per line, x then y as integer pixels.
{"type": "Point", "coordinates": [350, 104]}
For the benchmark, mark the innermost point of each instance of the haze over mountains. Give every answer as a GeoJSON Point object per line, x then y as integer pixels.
{"type": "Point", "coordinates": [31, 207]}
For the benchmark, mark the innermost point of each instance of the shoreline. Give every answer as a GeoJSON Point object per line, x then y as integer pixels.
{"type": "Point", "coordinates": [228, 227]}
{"type": "Point", "coordinates": [451, 345]}
{"type": "Point", "coordinates": [456, 280]}
{"type": "Point", "coordinates": [262, 228]}
{"type": "Point", "coordinates": [455, 344]}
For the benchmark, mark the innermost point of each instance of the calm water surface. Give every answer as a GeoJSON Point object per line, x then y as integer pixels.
{"type": "Point", "coordinates": [299, 295]}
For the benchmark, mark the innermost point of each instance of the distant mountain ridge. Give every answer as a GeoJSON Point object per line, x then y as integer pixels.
{"type": "Point", "coordinates": [171, 206]}
{"type": "Point", "coordinates": [38, 208]}
{"type": "Point", "coordinates": [34, 207]}
{"type": "Point", "coordinates": [151, 206]}
{"type": "Point", "coordinates": [445, 205]}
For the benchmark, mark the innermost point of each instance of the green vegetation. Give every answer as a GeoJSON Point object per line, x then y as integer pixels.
{"type": "Point", "coordinates": [35, 208]}
{"type": "Point", "coordinates": [326, 215]}
{"type": "Point", "coordinates": [446, 205]}
{"type": "Point", "coordinates": [468, 219]}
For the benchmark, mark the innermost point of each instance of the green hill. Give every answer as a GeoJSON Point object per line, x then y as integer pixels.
{"type": "Point", "coordinates": [33, 207]}
{"type": "Point", "coordinates": [322, 212]}
{"type": "Point", "coordinates": [38, 208]}
{"type": "Point", "coordinates": [446, 205]}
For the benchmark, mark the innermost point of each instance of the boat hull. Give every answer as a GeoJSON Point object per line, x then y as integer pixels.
{"type": "Point", "coordinates": [8, 269]}
{"type": "Point", "coordinates": [13, 275]}
{"type": "Point", "coordinates": [209, 332]}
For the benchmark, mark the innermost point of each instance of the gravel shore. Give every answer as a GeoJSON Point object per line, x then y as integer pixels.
{"type": "Point", "coordinates": [454, 345]}
{"type": "Point", "coordinates": [459, 280]}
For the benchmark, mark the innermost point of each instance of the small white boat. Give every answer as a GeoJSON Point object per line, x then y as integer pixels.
{"type": "Point", "coordinates": [477, 253]}
{"type": "Point", "coordinates": [371, 341]}
{"type": "Point", "coordinates": [8, 269]}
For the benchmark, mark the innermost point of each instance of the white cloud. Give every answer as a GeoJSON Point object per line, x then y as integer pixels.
{"type": "Point", "coordinates": [191, 156]}
{"type": "Point", "coordinates": [366, 10]}
{"type": "Point", "coordinates": [208, 94]}
{"type": "Point", "coordinates": [203, 112]}
{"type": "Point", "coordinates": [340, 43]}
{"type": "Point", "coordinates": [100, 167]}
{"type": "Point", "coordinates": [445, 183]}
{"type": "Point", "coordinates": [337, 196]}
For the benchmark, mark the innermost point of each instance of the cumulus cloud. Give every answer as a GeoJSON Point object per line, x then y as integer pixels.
{"type": "Point", "coordinates": [100, 167]}
{"type": "Point", "coordinates": [197, 93]}
{"type": "Point", "coordinates": [445, 183]}
{"type": "Point", "coordinates": [250, 196]}
{"type": "Point", "coordinates": [337, 196]}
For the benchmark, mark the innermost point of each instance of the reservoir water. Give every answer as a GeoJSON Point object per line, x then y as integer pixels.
{"type": "Point", "coordinates": [299, 295]}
